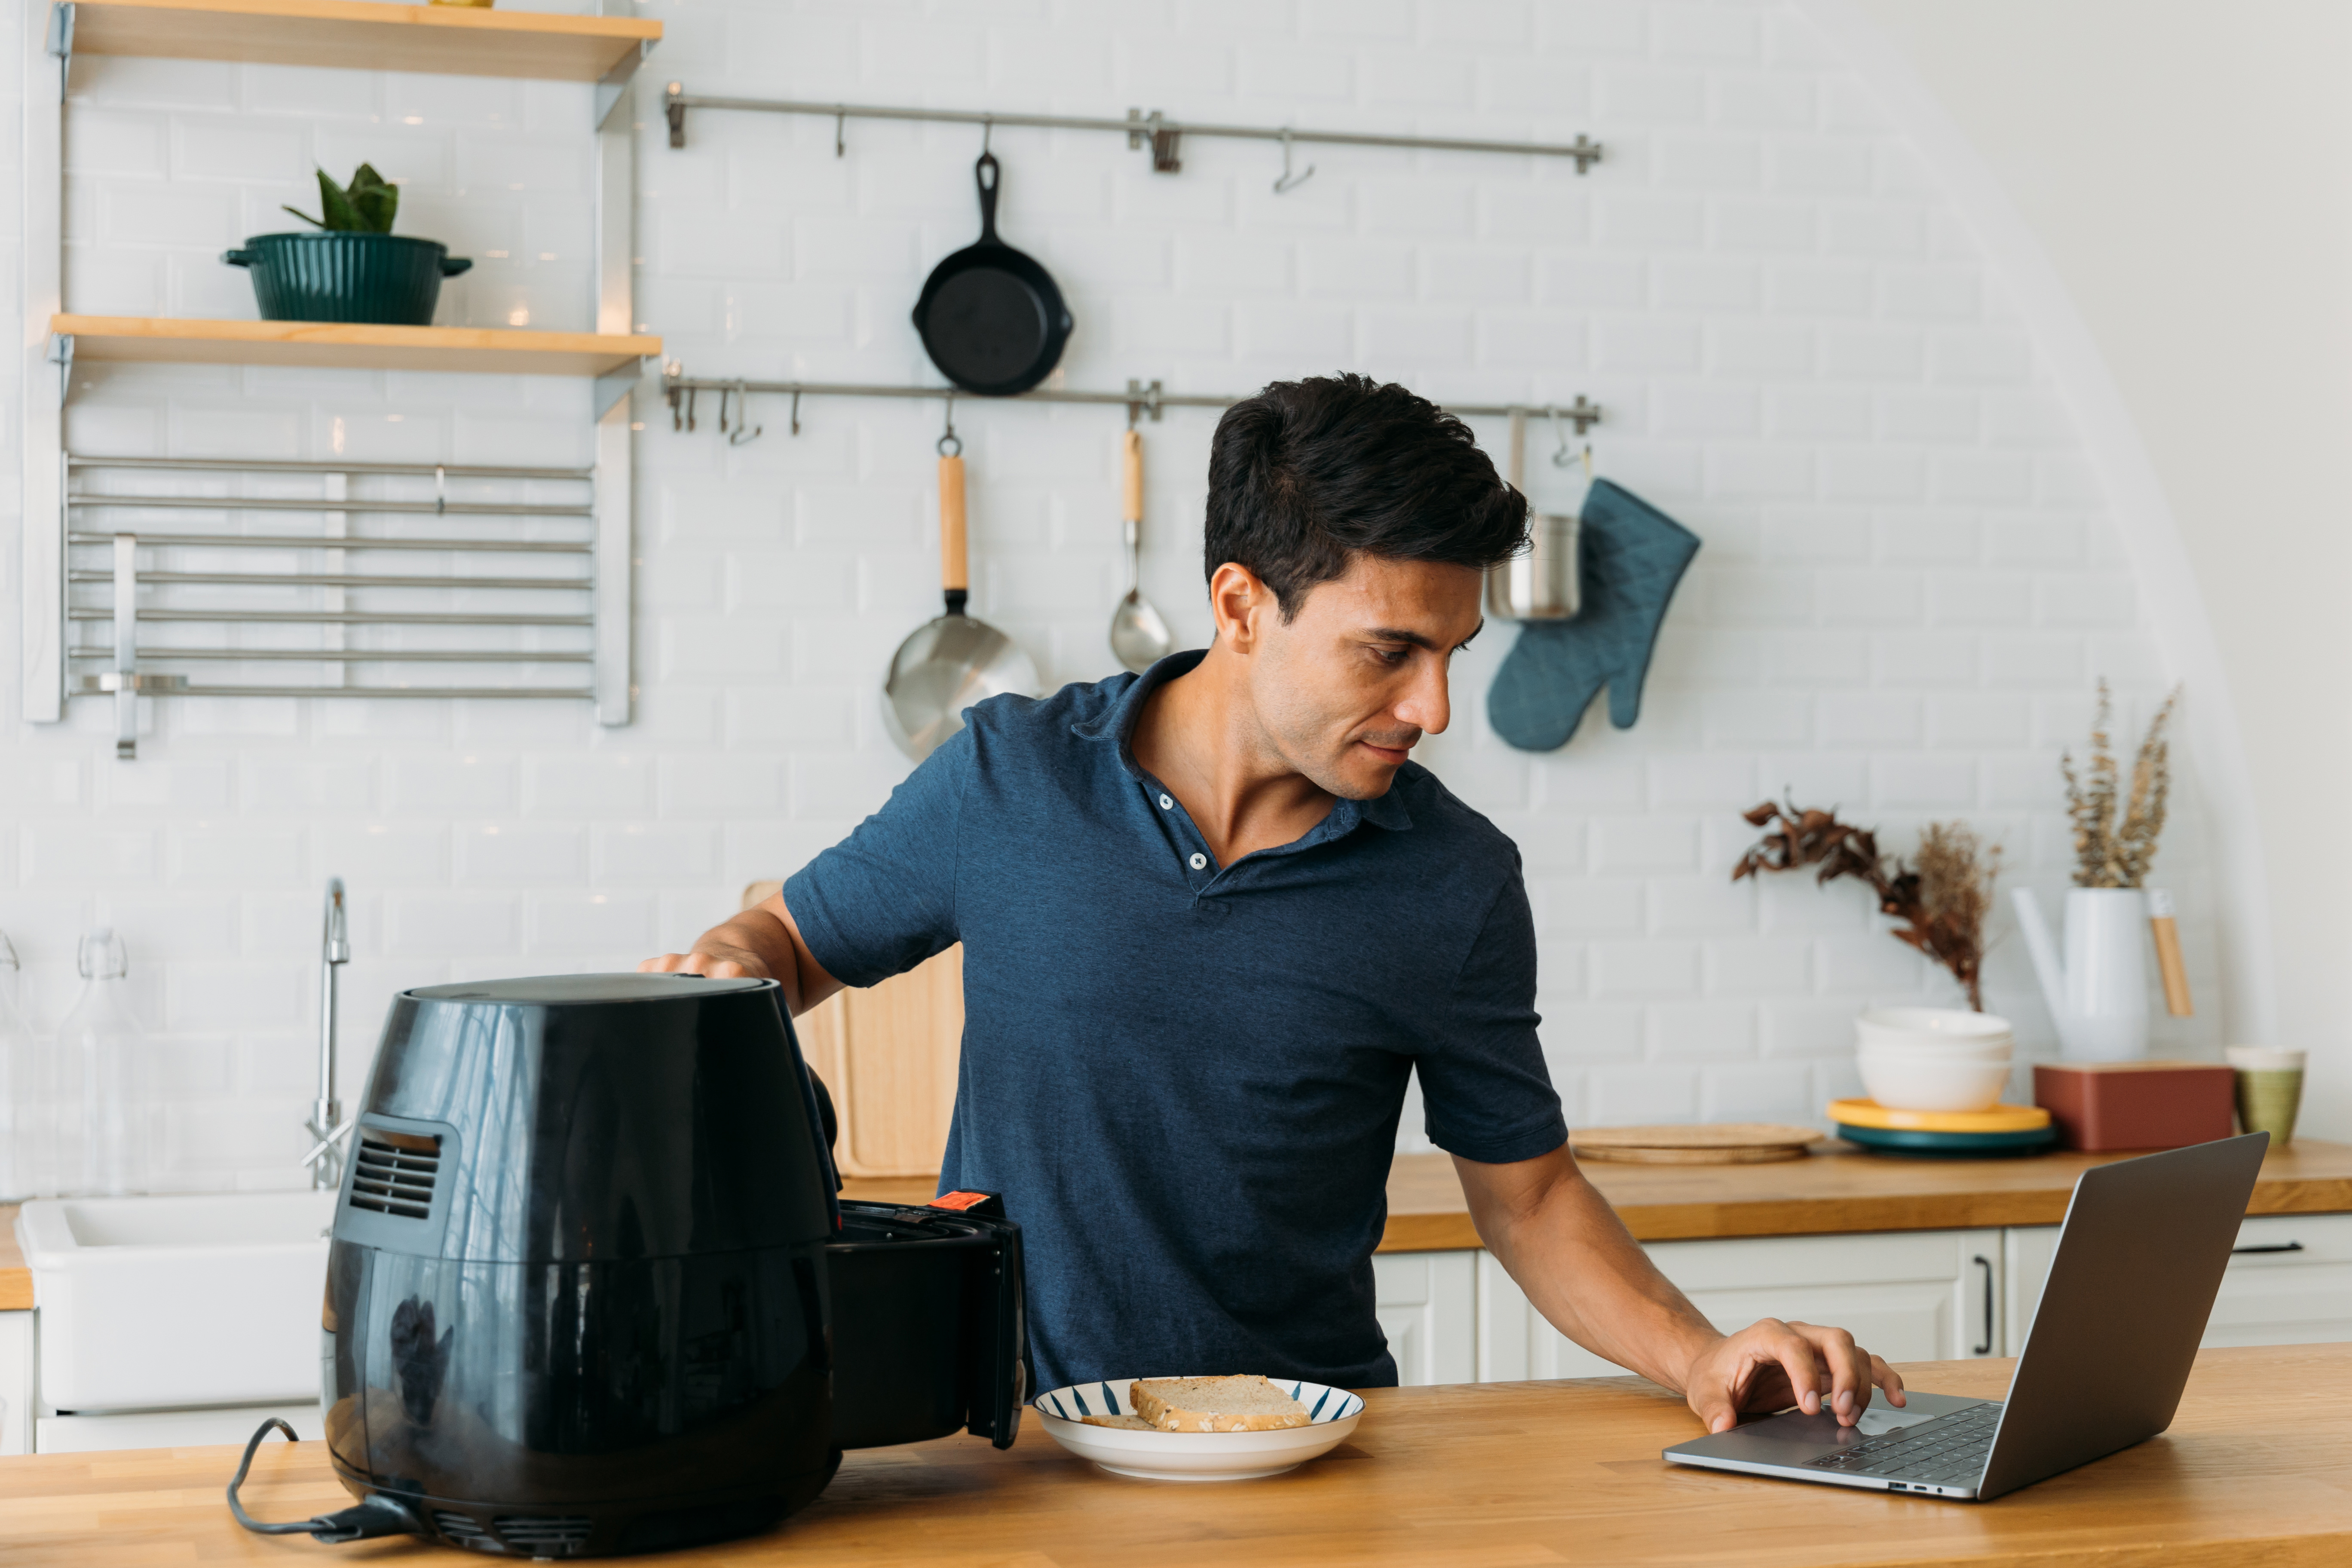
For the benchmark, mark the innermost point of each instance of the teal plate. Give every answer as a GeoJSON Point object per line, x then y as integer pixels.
{"type": "Point", "coordinates": [1950, 1145]}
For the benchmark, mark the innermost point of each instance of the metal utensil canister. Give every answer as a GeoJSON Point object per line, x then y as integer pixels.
{"type": "Point", "coordinates": [1543, 583]}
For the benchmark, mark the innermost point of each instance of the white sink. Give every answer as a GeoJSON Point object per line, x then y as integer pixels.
{"type": "Point", "coordinates": [165, 1303]}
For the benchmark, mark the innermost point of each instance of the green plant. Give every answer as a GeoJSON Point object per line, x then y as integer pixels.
{"type": "Point", "coordinates": [364, 207]}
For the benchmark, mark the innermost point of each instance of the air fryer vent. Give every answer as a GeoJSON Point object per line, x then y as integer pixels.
{"type": "Point", "coordinates": [544, 1536]}
{"type": "Point", "coordinates": [394, 1173]}
{"type": "Point", "coordinates": [458, 1527]}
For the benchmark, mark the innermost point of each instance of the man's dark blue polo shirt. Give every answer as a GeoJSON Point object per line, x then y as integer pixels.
{"type": "Point", "coordinates": [1186, 1077]}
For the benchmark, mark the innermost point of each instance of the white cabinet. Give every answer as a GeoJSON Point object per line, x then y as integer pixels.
{"type": "Point", "coordinates": [2290, 1282]}
{"type": "Point", "coordinates": [1930, 1295]}
{"type": "Point", "coordinates": [1427, 1304]}
{"type": "Point", "coordinates": [16, 1383]}
{"type": "Point", "coordinates": [171, 1428]}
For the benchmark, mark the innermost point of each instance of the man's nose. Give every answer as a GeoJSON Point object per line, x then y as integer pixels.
{"type": "Point", "coordinates": [1427, 705]}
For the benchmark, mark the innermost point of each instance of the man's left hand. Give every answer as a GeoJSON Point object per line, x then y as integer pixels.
{"type": "Point", "coordinates": [1770, 1365]}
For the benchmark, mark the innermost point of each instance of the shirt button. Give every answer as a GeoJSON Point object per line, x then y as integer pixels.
{"type": "Point", "coordinates": [1165, 802]}
{"type": "Point", "coordinates": [1199, 861]}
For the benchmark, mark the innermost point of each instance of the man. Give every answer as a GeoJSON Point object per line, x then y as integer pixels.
{"type": "Point", "coordinates": [1213, 916]}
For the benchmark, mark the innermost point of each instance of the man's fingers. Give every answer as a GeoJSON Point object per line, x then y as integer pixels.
{"type": "Point", "coordinates": [700, 963]}
{"type": "Point", "coordinates": [1887, 1378]}
{"type": "Point", "coordinates": [1848, 1366]}
{"type": "Point", "coordinates": [1800, 1365]}
{"type": "Point", "coordinates": [1717, 1411]}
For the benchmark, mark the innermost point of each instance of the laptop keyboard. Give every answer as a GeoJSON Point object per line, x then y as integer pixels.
{"type": "Point", "coordinates": [1948, 1451]}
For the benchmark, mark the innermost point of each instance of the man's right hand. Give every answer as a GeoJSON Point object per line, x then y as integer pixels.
{"type": "Point", "coordinates": [715, 959]}
{"type": "Point", "coordinates": [760, 943]}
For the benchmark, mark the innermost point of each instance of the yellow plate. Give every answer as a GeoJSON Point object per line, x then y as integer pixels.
{"type": "Point", "coordinates": [2000, 1119]}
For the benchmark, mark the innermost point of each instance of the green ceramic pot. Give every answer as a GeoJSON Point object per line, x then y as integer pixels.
{"type": "Point", "coordinates": [384, 280]}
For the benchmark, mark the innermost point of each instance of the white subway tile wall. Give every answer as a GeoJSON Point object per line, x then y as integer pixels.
{"type": "Point", "coordinates": [1909, 584]}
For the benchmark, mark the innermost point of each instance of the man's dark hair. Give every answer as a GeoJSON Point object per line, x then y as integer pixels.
{"type": "Point", "coordinates": [1308, 473]}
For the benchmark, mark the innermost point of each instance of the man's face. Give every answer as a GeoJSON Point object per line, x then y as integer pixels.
{"type": "Point", "coordinates": [1345, 689]}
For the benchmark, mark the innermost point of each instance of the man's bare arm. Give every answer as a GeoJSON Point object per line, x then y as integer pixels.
{"type": "Point", "coordinates": [1585, 1273]}
{"type": "Point", "coordinates": [762, 942]}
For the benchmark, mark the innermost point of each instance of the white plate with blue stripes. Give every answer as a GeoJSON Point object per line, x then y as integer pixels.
{"type": "Point", "coordinates": [1332, 1414]}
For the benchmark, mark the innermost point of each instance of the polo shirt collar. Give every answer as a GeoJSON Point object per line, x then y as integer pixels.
{"type": "Point", "coordinates": [1117, 725]}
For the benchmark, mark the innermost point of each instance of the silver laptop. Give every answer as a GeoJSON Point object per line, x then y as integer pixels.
{"type": "Point", "coordinates": [2138, 1262]}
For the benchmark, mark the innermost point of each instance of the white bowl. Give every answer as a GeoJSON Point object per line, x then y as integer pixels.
{"type": "Point", "coordinates": [1195, 1455]}
{"type": "Point", "coordinates": [1944, 1022]}
{"type": "Point", "coordinates": [1937, 1031]}
{"type": "Point", "coordinates": [1928, 1050]}
{"type": "Point", "coordinates": [1906, 1082]}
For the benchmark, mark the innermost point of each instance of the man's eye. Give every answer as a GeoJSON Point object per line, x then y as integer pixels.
{"type": "Point", "coordinates": [1392, 656]}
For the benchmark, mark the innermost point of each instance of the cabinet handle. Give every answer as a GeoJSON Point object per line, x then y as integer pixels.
{"type": "Point", "coordinates": [2272, 1246]}
{"type": "Point", "coordinates": [1986, 1348]}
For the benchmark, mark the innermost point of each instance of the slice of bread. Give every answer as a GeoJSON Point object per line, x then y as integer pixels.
{"type": "Point", "coordinates": [1238, 1404]}
{"type": "Point", "coordinates": [1129, 1423]}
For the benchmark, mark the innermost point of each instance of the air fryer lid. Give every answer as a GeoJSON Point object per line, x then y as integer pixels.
{"type": "Point", "coordinates": [543, 990]}
{"type": "Point", "coordinates": [587, 1118]}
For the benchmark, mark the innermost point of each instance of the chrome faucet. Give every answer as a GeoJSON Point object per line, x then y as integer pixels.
{"type": "Point", "coordinates": [326, 1123]}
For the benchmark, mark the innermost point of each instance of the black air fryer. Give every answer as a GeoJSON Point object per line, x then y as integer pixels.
{"type": "Point", "coordinates": [590, 1290]}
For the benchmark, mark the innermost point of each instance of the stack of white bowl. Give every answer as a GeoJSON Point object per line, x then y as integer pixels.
{"type": "Point", "coordinates": [1934, 1058]}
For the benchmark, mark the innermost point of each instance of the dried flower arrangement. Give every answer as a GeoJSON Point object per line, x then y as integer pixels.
{"type": "Point", "coordinates": [1941, 904]}
{"type": "Point", "coordinates": [2113, 851]}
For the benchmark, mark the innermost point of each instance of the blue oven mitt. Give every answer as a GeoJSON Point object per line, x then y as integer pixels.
{"type": "Point", "coordinates": [1631, 556]}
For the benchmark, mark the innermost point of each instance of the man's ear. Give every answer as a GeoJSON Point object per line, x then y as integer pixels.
{"type": "Point", "coordinates": [1239, 601]}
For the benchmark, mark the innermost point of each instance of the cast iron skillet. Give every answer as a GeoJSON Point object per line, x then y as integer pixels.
{"type": "Point", "coordinates": [991, 318]}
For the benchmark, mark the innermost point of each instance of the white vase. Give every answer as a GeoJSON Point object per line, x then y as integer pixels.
{"type": "Point", "coordinates": [2098, 995]}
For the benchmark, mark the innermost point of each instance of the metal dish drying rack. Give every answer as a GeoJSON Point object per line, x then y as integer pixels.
{"type": "Point", "coordinates": [368, 580]}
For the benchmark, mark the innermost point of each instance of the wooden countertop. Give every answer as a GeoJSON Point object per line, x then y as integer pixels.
{"type": "Point", "coordinates": [16, 1279]}
{"type": "Point", "coordinates": [1840, 1191]}
{"type": "Point", "coordinates": [1500, 1473]}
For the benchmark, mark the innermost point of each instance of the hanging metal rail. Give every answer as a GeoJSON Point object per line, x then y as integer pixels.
{"type": "Point", "coordinates": [1155, 130]}
{"type": "Point", "coordinates": [1140, 399]}
{"type": "Point", "coordinates": [138, 567]}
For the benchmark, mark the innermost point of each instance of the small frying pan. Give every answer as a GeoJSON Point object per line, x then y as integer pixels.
{"type": "Point", "coordinates": [991, 318]}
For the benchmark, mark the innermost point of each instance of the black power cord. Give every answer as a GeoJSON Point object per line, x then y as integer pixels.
{"type": "Point", "coordinates": [373, 1515]}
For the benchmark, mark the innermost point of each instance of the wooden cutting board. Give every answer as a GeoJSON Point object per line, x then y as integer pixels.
{"type": "Point", "coordinates": [887, 1055]}
{"type": "Point", "coordinates": [1707, 1143]}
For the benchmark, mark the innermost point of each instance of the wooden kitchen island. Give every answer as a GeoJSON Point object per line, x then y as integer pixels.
{"type": "Point", "coordinates": [2252, 1471]}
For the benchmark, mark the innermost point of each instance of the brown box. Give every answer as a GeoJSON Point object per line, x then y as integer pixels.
{"type": "Point", "coordinates": [2136, 1105]}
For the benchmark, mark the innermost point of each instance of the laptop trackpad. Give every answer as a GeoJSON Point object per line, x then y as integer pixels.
{"type": "Point", "coordinates": [1881, 1419]}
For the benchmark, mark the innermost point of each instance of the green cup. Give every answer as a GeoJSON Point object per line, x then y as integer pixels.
{"type": "Point", "coordinates": [2269, 1091]}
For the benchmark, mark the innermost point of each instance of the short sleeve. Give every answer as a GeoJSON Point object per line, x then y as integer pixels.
{"type": "Point", "coordinates": [1483, 1086]}
{"type": "Point", "coordinates": [883, 900]}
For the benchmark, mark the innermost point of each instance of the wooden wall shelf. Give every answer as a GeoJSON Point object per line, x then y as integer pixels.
{"type": "Point", "coordinates": [366, 35]}
{"type": "Point", "coordinates": [153, 339]}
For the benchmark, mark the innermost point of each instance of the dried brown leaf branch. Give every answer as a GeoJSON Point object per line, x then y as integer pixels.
{"type": "Point", "coordinates": [1941, 905]}
{"type": "Point", "coordinates": [2113, 849]}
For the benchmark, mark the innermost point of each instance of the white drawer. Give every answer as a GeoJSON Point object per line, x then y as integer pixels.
{"type": "Point", "coordinates": [2289, 1283]}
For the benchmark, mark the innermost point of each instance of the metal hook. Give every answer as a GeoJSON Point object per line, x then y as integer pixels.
{"type": "Point", "coordinates": [950, 443]}
{"type": "Point", "coordinates": [724, 393]}
{"type": "Point", "coordinates": [796, 411]}
{"type": "Point", "coordinates": [1561, 457]}
{"type": "Point", "coordinates": [840, 148]}
{"type": "Point", "coordinates": [987, 130]}
{"type": "Point", "coordinates": [1290, 182]}
{"type": "Point", "coordinates": [677, 420]}
{"type": "Point", "coordinates": [689, 410]}
{"type": "Point", "coordinates": [440, 491]}
{"type": "Point", "coordinates": [744, 429]}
